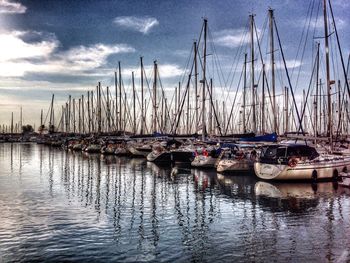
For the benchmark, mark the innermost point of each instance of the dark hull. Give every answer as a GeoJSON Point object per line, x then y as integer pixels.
{"type": "Point", "coordinates": [164, 157]}
{"type": "Point", "coordinates": [182, 157]}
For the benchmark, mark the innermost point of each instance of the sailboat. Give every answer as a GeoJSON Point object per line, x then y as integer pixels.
{"type": "Point", "coordinates": [298, 161]}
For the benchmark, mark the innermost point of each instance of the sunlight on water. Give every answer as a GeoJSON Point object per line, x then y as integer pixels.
{"type": "Point", "coordinates": [58, 205]}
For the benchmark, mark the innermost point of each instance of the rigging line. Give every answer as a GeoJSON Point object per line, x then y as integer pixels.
{"type": "Point", "coordinates": [216, 59]}
{"type": "Point", "coordinates": [234, 102]}
{"type": "Point", "coordinates": [183, 100]}
{"type": "Point", "coordinates": [235, 61]}
{"type": "Point", "coordinates": [183, 76]}
{"type": "Point", "coordinates": [304, 48]}
{"type": "Point", "coordinates": [303, 32]}
{"type": "Point", "coordinates": [182, 104]}
{"type": "Point", "coordinates": [343, 101]}
{"type": "Point", "coordinates": [236, 70]}
{"type": "Point", "coordinates": [262, 61]}
{"type": "Point", "coordinates": [211, 99]}
{"type": "Point", "coordinates": [335, 62]}
{"type": "Point", "coordinates": [339, 48]}
{"type": "Point", "coordinates": [287, 73]}
{"type": "Point", "coordinates": [308, 92]}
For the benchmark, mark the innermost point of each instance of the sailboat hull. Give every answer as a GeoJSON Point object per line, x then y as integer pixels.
{"type": "Point", "coordinates": [302, 171]}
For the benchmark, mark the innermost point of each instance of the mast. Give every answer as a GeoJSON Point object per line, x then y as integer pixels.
{"type": "Point", "coordinates": [82, 114]}
{"type": "Point", "coordinates": [244, 93]}
{"type": "Point", "coordinates": [286, 100]}
{"type": "Point", "coordinates": [339, 108]}
{"type": "Point", "coordinates": [116, 99]}
{"type": "Point", "coordinates": [99, 116]}
{"type": "Point", "coordinates": [263, 103]}
{"type": "Point", "coordinates": [273, 81]}
{"type": "Point", "coordinates": [92, 112]}
{"type": "Point", "coordinates": [12, 123]}
{"type": "Point", "coordinates": [210, 107]}
{"type": "Point", "coordinates": [252, 69]}
{"type": "Point", "coordinates": [74, 127]}
{"type": "Point", "coordinates": [188, 111]}
{"type": "Point", "coordinates": [155, 98]}
{"type": "Point", "coordinates": [316, 97]}
{"type": "Point", "coordinates": [41, 118]}
{"type": "Point", "coordinates": [142, 104]}
{"type": "Point", "coordinates": [89, 112]}
{"type": "Point", "coordinates": [328, 81]}
{"type": "Point", "coordinates": [134, 102]}
{"type": "Point", "coordinates": [108, 111]}
{"type": "Point", "coordinates": [204, 78]}
{"type": "Point", "coordinates": [120, 95]}
{"type": "Point", "coordinates": [51, 122]}
{"type": "Point", "coordinates": [195, 84]}
{"type": "Point", "coordinates": [69, 113]}
{"type": "Point", "coordinates": [79, 115]}
{"type": "Point", "coordinates": [20, 119]}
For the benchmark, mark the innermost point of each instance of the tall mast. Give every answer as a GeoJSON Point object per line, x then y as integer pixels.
{"type": "Point", "coordinates": [252, 69]}
{"type": "Point", "coordinates": [41, 118]}
{"type": "Point", "coordinates": [74, 126]}
{"type": "Point", "coordinates": [316, 97]}
{"type": "Point", "coordinates": [21, 120]}
{"type": "Point", "coordinates": [195, 84]}
{"type": "Point", "coordinates": [89, 112]}
{"type": "Point", "coordinates": [328, 81]}
{"type": "Point", "coordinates": [120, 95]}
{"type": "Point", "coordinates": [51, 122]}
{"type": "Point", "coordinates": [339, 108]}
{"type": "Point", "coordinates": [116, 99]}
{"type": "Point", "coordinates": [273, 81]}
{"type": "Point", "coordinates": [286, 100]}
{"type": "Point", "coordinates": [188, 110]}
{"type": "Point", "coordinates": [155, 98]}
{"type": "Point", "coordinates": [108, 111]}
{"type": "Point", "coordinates": [79, 115]}
{"type": "Point", "coordinates": [69, 113]}
{"type": "Point", "coordinates": [134, 102]}
{"type": "Point", "coordinates": [210, 107]}
{"type": "Point", "coordinates": [92, 112]}
{"type": "Point", "coordinates": [82, 114]}
{"type": "Point", "coordinates": [99, 108]}
{"type": "Point", "coordinates": [142, 104]}
{"type": "Point", "coordinates": [12, 123]}
{"type": "Point", "coordinates": [204, 78]}
{"type": "Point", "coordinates": [263, 102]}
{"type": "Point", "coordinates": [244, 93]}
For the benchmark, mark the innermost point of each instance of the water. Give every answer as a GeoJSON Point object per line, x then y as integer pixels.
{"type": "Point", "coordinates": [58, 206]}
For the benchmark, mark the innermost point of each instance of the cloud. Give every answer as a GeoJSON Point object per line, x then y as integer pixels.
{"type": "Point", "coordinates": [13, 47]}
{"type": "Point", "coordinates": [165, 71]}
{"type": "Point", "coordinates": [140, 24]}
{"type": "Point", "coordinates": [17, 57]}
{"type": "Point", "coordinates": [231, 38]}
{"type": "Point", "coordinates": [319, 23]}
{"type": "Point", "coordinates": [9, 7]}
{"type": "Point", "coordinates": [341, 3]}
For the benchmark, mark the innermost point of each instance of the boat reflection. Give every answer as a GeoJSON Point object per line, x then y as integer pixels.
{"type": "Point", "coordinates": [295, 197]}
{"type": "Point", "coordinates": [240, 186]}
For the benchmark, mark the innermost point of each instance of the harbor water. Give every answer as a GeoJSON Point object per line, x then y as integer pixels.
{"type": "Point", "coordinates": [63, 206]}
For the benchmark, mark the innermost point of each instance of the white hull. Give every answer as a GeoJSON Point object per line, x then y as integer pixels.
{"type": "Point", "coordinates": [204, 161]}
{"type": "Point", "coordinates": [323, 168]}
{"type": "Point", "coordinates": [345, 180]}
{"type": "Point", "coordinates": [136, 152]}
{"type": "Point", "coordinates": [243, 165]}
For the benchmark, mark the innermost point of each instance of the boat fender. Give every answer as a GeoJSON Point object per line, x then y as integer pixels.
{"type": "Point", "coordinates": [292, 162]}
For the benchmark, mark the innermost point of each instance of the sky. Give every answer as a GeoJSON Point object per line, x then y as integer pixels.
{"type": "Point", "coordinates": [66, 47]}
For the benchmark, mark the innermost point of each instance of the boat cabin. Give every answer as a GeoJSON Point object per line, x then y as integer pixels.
{"type": "Point", "coordinates": [281, 154]}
